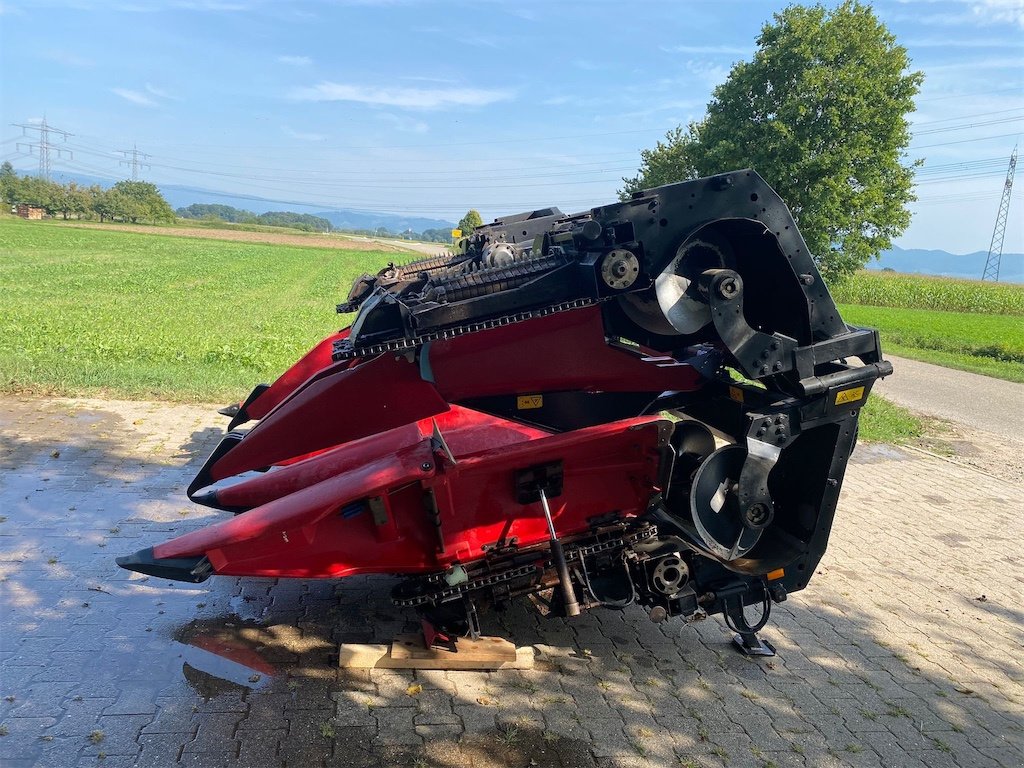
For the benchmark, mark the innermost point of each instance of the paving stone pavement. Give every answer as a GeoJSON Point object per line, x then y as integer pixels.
{"type": "Point", "coordinates": [905, 650]}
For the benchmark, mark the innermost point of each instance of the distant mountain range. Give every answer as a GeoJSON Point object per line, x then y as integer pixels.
{"type": "Point", "coordinates": [181, 197]}
{"type": "Point", "coordinates": [913, 260]}
{"type": "Point", "coordinates": [969, 265]}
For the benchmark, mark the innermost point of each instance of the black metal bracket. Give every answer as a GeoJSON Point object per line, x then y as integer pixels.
{"type": "Point", "coordinates": [241, 415]}
{"type": "Point", "coordinates": [529, 482]}
{"type": "Point", "coordinates": [757, 353]}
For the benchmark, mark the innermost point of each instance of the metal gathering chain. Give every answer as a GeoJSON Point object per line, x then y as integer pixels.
{"type": "Point", "coordinates": [469, 586]}
{"type": "Point", "coordinates": [343, 350]}
{"type": "Point", "coordinates": [577, 553]}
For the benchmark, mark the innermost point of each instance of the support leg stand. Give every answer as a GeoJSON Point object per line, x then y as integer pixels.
{"type": "Point", "coordinates": [749, 644]}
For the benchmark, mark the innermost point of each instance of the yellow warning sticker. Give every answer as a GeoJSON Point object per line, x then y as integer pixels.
{"type": "Point", "coordinates": [456, 233]}
{"type": "Point", "coordinates": [528, 402]}
{"type": "Point", "coordinates": [736, 394]}
{"type": "Point", "coordinates": [849, 395]}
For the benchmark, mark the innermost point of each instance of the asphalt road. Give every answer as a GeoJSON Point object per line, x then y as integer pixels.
{"type": "Point", "coordinates": [979, 402]}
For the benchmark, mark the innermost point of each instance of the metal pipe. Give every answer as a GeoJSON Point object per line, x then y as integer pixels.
{"type": "Point", "coordinates": [572, 607]}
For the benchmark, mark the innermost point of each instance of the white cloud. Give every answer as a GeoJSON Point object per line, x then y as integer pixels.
{"type": "Point", "coordinates": [947, 42]}
{"type": "Point", "coordinates": [214, 5]}
{"type": "Point", "coordinates": [404, 98]}
{"type": "Point", "coordinates": [997, 11]}
{"type": "Point", "coordinates": [723, 50]}
{"type": "Point", "coordinates": [158, 6]}
{"type": "Point", "coordinates": [302, 135]}
{"type": "Point", "coordinates": [295, 61]}
{"type": "Point", "coordinates": [974, 65]}
{"type": "Point", "coordinates": [160, 92]}
{"type": "Point", "coordinates": [423, 79]}
{"type": "Point", "coordinates": [402, 123]}
{"type": "Point", "coordinates": [968, 12]}
{"type": "Point", "coordinates": [523, 13]}
{"type": "Point", "coordinates": [135, 97]}
{"type": "Point", "coordinates": [708, 73]}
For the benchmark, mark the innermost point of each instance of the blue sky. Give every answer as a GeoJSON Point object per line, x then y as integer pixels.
{"type": "Point", "coordinates": [431, 108]}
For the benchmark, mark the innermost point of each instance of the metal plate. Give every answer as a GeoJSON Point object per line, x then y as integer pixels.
{"type": "Point", "coordinates": [620, 269]}
{"type": "Point", "coordinates": [715, 506]}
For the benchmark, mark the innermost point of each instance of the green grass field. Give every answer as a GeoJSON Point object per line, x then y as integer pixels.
{"type": "Point", "coordinates": [980, 327]}
{"type": "Point", "coordinates": [160, 316]}
{"type": "Point", "coordinates": [891, 289]}
{"type": "Point", "coordinates": [156, 316]}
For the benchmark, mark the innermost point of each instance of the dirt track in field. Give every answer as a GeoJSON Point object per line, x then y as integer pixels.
{"type": "Point", "coordinates": [272, 238]}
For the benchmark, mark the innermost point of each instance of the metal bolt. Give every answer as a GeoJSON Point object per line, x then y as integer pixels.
{"type": "Point", "coordinates": [757, 514]}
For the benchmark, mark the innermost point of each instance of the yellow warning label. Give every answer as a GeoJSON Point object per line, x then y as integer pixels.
{"type": "Point", "coordinates": [849, 395]}
{"type": "Point", "coordinates": [736, 394]}
{"type": "Point", "coordinates": [456, 233]}
{"type": "Point", "coordinates": [527, 402]}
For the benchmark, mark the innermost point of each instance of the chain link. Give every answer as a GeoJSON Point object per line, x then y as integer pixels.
{"type": "Point", "coordinates": [345, 350]}
{"type": "Point", "coordinates": [647, 531]}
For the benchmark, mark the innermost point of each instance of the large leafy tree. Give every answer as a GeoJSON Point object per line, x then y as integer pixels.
{"type": "Point", "coordinates": [8, 183]}
{"type": "Point", "coordinates": [821, 112]}
{"type": "Point", "coordinates": [40, 192]}
{"type": "Point", "coordinates": [72, 200]}
{"type": "Point", "coordinates": [134, 200]}
{"type": "Point", "coordinates": [470, 221]}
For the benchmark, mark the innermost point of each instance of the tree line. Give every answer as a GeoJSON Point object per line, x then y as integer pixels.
{"type": "Point", "coordinates": [129, 201]}
{"type": "Point", "coordinates": [135, 201]}
{"type": "Point", "coordinates": [215, 212]}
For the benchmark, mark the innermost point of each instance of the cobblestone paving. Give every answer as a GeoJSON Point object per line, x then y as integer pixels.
{"type": "Point", "coordinates": [904, 651]}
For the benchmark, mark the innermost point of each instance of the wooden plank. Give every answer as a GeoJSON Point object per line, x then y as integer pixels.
{"type": "Point", "coordinates": [409, 652]}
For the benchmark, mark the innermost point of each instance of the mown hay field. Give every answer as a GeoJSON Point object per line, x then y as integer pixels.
{"type": "Point", "coordinates": [146, 315]}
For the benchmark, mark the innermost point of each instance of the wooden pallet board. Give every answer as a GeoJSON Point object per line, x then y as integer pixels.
{"type": "Point", "coordinates": [409, 652]}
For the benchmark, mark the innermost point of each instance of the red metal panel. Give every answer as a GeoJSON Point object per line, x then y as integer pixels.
{"type": "Point", "coordinates": [314, 361]}
{"type": "Point", "coordinates": [607, 468]}
{"type": "Point", "coordinates": [336, 407]}
{"type": "Point", "coordinates": [464, 430]}
{"type": "Point", "coordinates": [287, 525]}
{"type": "Point", "coordinates": [563, 351]}
{"type": "Point", "coordinates": [610, 467]}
